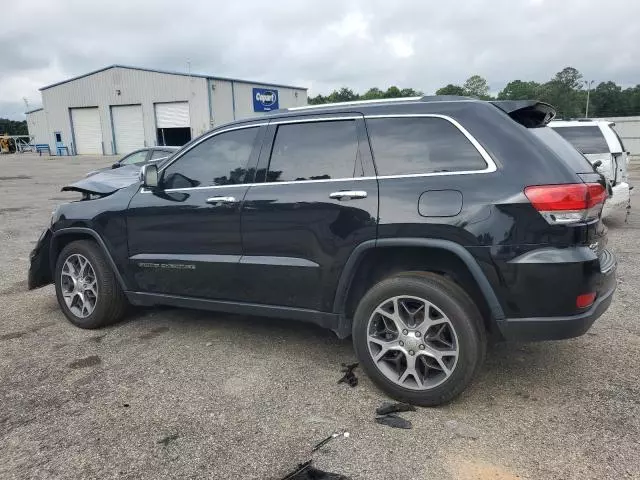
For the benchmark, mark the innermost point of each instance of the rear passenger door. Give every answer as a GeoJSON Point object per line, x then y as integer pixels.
{"type": "Point", "coordinates": [315, 199]}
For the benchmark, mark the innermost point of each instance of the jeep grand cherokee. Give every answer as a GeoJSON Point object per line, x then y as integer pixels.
{"type": "Point", "coordinates": [418, 226]}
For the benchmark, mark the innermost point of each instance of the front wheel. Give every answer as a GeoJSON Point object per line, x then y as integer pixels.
{"type": "Point", "coordinates": [87, 289]}
{"type": "Point", "coordinates": [419, 337]}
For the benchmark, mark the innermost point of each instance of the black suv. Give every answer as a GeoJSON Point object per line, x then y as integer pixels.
{"type": "Point", "coordinates": [419, 226]}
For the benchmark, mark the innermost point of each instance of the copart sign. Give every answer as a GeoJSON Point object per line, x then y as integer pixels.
{"type": "Point", "coordinates": [265, 99]}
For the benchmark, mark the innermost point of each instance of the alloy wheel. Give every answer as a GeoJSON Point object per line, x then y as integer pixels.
{"type": "Point", "coordinates": [79, 285]}
{"type": "Point", "coordinates": [412, 342]}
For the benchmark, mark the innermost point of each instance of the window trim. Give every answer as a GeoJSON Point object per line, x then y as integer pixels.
{"type": "Point", "coordinates": [491, 165]}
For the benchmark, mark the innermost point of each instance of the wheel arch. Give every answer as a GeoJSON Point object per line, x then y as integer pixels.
{"type": "Point", "coordinates": [452, 260]}
{"type": "Point", "coordinates": [63, 237]}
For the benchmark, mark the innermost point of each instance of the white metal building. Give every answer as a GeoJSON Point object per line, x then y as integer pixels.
{"type": "Point", "coordinates": [118, 108]}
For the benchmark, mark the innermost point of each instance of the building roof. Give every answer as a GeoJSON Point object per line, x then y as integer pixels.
{"type": "Point", "coordinates": [34, 110]}
{"type": "Point", "coordinates": [167, 72]}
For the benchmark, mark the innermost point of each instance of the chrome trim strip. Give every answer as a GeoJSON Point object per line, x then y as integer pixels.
{"type": "Point", "coordinates": [355, 102]}
{"type": "Point", "coordinates": [316, 119]}
{"type": "Point", "coordinates": [491, 165]}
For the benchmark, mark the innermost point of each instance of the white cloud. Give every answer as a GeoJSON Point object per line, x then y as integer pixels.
{"type": "Point", "coordinates": [323, 45]}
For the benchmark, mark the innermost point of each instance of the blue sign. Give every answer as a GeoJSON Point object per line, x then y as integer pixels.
{"type": "Point", "coordinates": [265, 100]}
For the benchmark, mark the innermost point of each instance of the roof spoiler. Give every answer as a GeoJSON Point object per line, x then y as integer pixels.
{"type": "Point", "coordinates": [530, 113]}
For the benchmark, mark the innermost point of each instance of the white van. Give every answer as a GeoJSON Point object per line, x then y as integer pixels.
{"type": "Point", "coordinates": [599, 142]}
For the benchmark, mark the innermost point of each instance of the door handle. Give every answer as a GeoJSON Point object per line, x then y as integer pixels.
{"type": "Point", "coordinates": [348, 194]}
{"type": "Point", "coordinates": [215, 200]}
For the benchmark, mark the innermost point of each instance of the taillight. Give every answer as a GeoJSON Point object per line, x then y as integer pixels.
{"type": "Point", "coordinates": [585, 300]}
{"type": "Point", "coordinates": [568, 203]}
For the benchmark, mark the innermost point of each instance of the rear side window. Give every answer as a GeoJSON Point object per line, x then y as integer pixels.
{"type": "Point", "coordinates": [567, 152]}
{"type": "Point", "coordinates": [409, 145]}
{"type": "Point", "coordinates": [314, 151]}
{"type": "Point", "coordinates": [588, 140]}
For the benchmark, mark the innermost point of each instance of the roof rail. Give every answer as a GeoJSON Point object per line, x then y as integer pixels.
{"type": "Point", "coordinates": [355, 102]}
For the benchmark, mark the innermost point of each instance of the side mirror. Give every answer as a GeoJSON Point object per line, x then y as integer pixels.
{"type": "Point", "coordinates": [149, 175]}
{"type": "Point", "coordinates": [597, 164]}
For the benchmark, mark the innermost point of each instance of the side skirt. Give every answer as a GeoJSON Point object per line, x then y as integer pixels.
{"type": "Point", "coordinates": [323, 319]}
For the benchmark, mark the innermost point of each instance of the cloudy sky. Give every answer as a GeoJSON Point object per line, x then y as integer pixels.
{"type": "Point", "coordinates": [323, 45]}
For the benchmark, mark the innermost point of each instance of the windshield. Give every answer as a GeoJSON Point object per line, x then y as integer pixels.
{"type": "Point", "coordinates": [588, 140]}
{"type": "Point", "coordinates": [564, 149]}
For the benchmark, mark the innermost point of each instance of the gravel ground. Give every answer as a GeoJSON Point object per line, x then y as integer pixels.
{"type": "Point", "coordinates": [185, 394]}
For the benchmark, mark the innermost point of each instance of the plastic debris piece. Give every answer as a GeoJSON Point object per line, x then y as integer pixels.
{"type": "Point", "coordinates": [322, 443]}
{"type": "Point", "coordinates": [349, 377]}
{"type": "Point", "coordinates": [388, 407]}
{"type": "Point", "coordinates": [394, 421]}
{"type": "Point", "coordinates": [306, 471]}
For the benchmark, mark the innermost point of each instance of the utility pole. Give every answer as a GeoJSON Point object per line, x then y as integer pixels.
{"type": "Point", "coordinates": [588, 84]}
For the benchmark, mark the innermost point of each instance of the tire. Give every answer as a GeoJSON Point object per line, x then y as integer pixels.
{"type": "Point", "coordinates": [105, 296]}
{"type": "Point", "coordinates": [452, 315]}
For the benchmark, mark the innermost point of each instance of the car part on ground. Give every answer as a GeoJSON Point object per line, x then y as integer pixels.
{"type": "Point", "coordinates": [349, 377]}
{"type": "Point", "coordinates": [419, 226]}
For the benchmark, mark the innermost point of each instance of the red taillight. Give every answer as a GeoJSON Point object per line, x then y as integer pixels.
{"type": "Point", "coordinates": [567, 203]}
{"type": "Point", "coordinates": [585, 300]}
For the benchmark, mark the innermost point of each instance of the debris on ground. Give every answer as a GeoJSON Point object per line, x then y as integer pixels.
{"type": "Point", "coordinates": [349, 377]}
{"type": "Point", "coordinates": [394, 421]}
{"type": "Point", "coordinates": [306, 471]}
{"type": "Point", "coordinates": [462, 430]}
{"type": "Point", "coordinates": [329, 438]}
{"type": "Point", "coordinates": [168, 439]}
{"type": "Point", "coordinates": [397, 407]}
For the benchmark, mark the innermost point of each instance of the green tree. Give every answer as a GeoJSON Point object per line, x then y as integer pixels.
{"type": "Point", "coordinates": [13, 127]}
{"type": "Point", "coordinates": [372, 94]}
{"type": "Point", "coordinates": [477, 87]}
{"type": "Point", "coordinates": [564, 91]}
{"type": "Point", "coordinates": [451, 90]}
{"type": "Point", "coordinates": [343, 95]}
{"type": "Point", "coordinates": [519, 90]}
{"type": "Point", "coordinates": [606, 100]}
{"type": "Point", "coordinates": [410, 92]}
{"type": "Point", "coordinates": [393, 92]}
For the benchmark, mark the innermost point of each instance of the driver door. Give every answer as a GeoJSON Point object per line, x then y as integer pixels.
{"type": "Point", "coordinates": [184, 237]}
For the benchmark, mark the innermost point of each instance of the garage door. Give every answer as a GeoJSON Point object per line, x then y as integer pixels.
{"type": "Point", "coordinates": [172, 115]}
{"type": "Point", "coordinates": [86, 131]}
{"type": "Point", "coordinates": [128, 128]}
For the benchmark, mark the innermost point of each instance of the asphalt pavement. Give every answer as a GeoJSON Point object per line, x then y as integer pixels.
{"type": "Point", "coordinates": [174, 393]}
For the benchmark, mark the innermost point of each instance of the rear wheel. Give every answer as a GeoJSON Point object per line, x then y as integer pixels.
{"type": "Point", "coordinates": [87, 289]}
{"type": "Point", "coordinates": [419, 337]}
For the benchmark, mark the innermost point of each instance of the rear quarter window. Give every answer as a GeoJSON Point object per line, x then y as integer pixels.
{"type": "Point", "coordinates": [414, 145]}
{"type": "Point", "coordinates": [589, 139]}
{"type": "Point", "coordinates": [561, 147]}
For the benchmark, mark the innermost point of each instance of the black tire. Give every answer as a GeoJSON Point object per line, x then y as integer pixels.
{"type": "Point", "coordinates": [111, 303]}
{"type": "Point", "coordinates": [456, 305]}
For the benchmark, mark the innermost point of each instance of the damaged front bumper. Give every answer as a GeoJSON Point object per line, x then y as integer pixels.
{"type": "Point", "coordinates": [40, 267]}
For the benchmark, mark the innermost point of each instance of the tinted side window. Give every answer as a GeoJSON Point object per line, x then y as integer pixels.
{"type": "Point", "coordinates": [588, 140]}
{"type": "Point", "coordinates": [403, 146]}
{"type": "Point", "coordinates": [219, 160]}
{"type": "Point", "coordinates": [138, 157]}
{"type": "Point", "coordinates": [314, 151]}
{"type": "Point", "coordinates": [159, 154]}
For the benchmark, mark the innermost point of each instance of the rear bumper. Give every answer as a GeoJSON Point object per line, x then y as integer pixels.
{"type": "Point", "coordinates": [562, 327]}
{"type": "Point", "coordinates": [40, 267]}
{"type": "Point", "coordinates": [619, 199]}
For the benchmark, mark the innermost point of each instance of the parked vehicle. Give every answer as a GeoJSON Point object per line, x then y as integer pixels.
{"type": "Point", "coordinates": [603, 147]}
{"type": "Point", "coordinates": [140, 157]}
{"type": "Point", "coordinates": [418, 226]}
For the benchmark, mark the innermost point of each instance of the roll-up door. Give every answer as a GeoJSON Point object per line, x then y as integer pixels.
{"type": "Point", "coordinates": [128, 128]}
{"type": "Point", "coordinates": [87, 131]}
